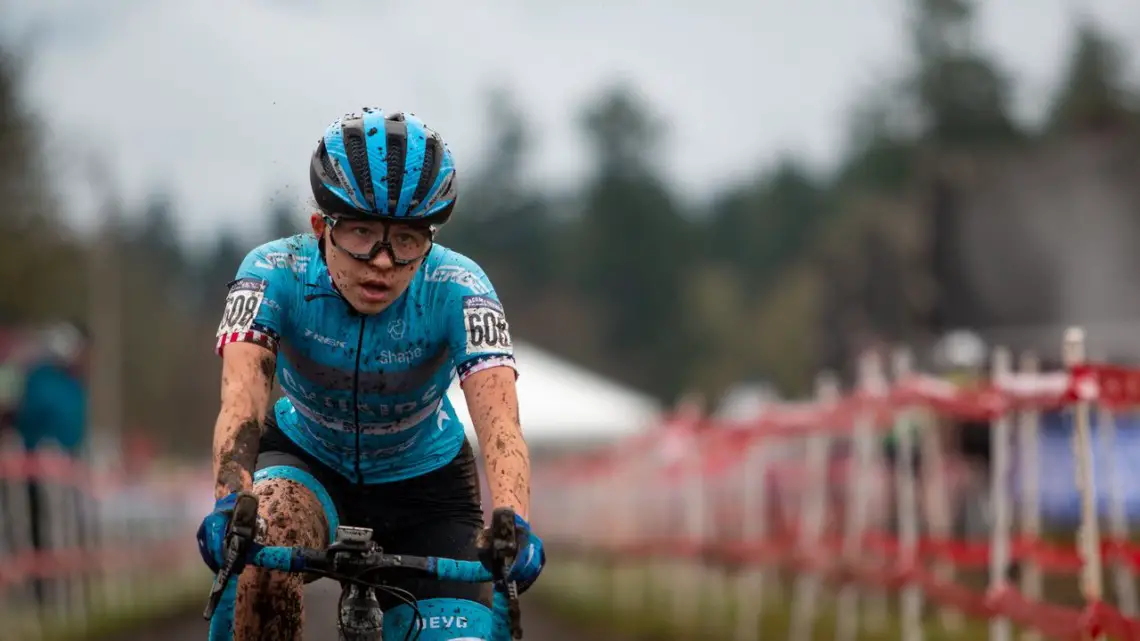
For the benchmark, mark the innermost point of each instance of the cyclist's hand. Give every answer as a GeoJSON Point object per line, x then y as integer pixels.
{"type": "Point", "coordinates": [212, 532]}
{"type": "Point", "coordinates": [531, 559]}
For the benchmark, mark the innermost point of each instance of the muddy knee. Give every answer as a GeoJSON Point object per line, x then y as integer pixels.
{"type": "Point", "coordinates": [268, 601]}
{"type": "Point", "coordinates": [296, 510]}
{"type": "Point", "coordinates": [292, 514]}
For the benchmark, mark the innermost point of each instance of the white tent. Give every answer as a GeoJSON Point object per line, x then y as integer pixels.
{"type": "Point", "coordinates": [563, 404]}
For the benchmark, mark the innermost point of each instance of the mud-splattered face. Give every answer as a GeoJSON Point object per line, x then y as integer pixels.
{"type": "Point", "coordinates": [371, 286]}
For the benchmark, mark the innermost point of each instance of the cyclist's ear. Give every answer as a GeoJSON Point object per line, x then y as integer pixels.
{"type": "Point", "coordinates": [317, 222]}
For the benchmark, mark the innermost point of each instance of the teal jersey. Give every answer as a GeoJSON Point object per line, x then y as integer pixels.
{"type": "Point", "coordinates": [367, 394]}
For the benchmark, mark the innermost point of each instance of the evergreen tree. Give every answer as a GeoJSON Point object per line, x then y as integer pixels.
{"type": "Point", "coordinates": [633, 247]}
{"type": "Point", "coordinates": [285, 220]}
{"type": "Point", "coordinates": [1093, 94]}
{"type": "Point", "coordinates": [961, 95]}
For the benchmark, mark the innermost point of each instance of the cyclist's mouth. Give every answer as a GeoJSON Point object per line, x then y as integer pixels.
{"type": "Point", "coordinates": [374, 292]}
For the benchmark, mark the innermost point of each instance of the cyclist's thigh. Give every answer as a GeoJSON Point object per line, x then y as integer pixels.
{"type": "Point", "coordinates": [447, 610]}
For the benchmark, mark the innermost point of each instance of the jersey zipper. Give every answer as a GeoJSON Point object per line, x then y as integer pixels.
{"type": "Point", "coordinates": [356, 398]}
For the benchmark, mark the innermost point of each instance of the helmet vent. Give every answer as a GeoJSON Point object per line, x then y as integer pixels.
{"type": "Point", "coordinates": [358, 162]}
{"type": "Point", "coordinates": [397, 152]}
{"type": "Point", "coordinates": [432, 158]}
{"type": "Point", "coordinates": [326, 164]}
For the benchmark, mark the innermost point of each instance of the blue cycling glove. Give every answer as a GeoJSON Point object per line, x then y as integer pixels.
{"type": "Point", "coordinates": [531, 558]}
{"type": "Point", "coordinates": [212, 532]}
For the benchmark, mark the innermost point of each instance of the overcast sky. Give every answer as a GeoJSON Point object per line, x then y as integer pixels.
{"type": "Point", "coordinates": [223, 100]}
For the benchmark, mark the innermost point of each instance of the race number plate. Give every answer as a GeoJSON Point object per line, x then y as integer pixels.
{"type": "Point", "coordinates": [242, 304]}
{"type": "Point", "coordinates": [486, 325]}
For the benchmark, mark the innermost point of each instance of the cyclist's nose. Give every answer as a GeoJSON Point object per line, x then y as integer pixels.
{"type": "Point", "coordinates": [382, 259]}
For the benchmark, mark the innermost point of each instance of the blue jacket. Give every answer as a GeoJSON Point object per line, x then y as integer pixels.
{"type": "Point", "coordinates": [54, 406]}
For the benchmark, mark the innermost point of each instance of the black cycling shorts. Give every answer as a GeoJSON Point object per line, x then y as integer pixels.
{"type": "Point", "coordinates": [435, 514]}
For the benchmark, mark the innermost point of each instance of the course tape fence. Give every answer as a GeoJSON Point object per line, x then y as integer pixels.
{"type": "Point", "coordinates": [805, 490]}
{"type": "Point", "coordinates": [79, 546]}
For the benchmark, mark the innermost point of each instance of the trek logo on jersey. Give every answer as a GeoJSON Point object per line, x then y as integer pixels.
{"type": "Point", "coordinates": [486, 325]}
{"type": "Point", "coordinates": [459, 276]}
{"type": "Point", "coordinates": [324, 340]}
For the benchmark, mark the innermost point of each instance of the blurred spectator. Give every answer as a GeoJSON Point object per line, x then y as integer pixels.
{"type": "Point", "coordinates": [53, 412]}
{"type": "Point", "coordinates": [53, 406]}
{"type": "Point", "coordinates": [962, 357]}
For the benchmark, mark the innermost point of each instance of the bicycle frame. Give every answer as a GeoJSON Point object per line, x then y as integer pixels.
{"type": "Point", "coordinates": [352, 556]}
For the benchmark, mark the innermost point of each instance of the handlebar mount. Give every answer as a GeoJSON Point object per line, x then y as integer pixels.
{"type": "Point", "coordinates": [354, 547]}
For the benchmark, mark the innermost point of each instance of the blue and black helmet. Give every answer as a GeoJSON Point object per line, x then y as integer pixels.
{"type": "Point", "coordinates": [390, 167]}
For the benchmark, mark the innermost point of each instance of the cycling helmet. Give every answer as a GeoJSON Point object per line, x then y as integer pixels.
{"type": "Point", "coordinates": [960, 349]}
{"type": "Point", "coordinates": [389, 167]}
{"type": "Point", "coordinates": [64, 340]}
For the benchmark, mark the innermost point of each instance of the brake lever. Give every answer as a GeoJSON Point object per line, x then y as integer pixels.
{"type": "Point", "coordinates": [239, 537]}
{"type": "Point", "coordinates": [504, 551]}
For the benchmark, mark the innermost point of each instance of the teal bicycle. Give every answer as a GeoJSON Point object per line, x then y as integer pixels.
{"type": "Point", "coordinates": [356, 561]}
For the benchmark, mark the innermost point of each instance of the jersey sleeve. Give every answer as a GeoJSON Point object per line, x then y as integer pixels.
{"type": "Point", "coordinates": [478, 334]}
{"type": "Point", "coordinates": [254, 304]}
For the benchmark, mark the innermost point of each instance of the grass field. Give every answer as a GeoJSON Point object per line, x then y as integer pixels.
{"type": "Point", "coordinates": [586, 595]}
{"type": "Point", "coordinates": [115, 607]}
